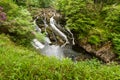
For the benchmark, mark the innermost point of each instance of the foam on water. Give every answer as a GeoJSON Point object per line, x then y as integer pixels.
{"type": "Point", "coordinates": [53, 50]}
{"type": "Point", "coordinates": [48, 50]}
{"type": "Point", "coordinates": [37, 44]}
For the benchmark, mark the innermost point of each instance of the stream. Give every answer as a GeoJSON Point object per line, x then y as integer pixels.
{"type": "Point", "coordinates": [53, 48]}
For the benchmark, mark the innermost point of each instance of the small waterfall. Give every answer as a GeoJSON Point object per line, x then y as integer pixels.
{"type": "Point", "coordinates": [37, 44]}
{"type": "Point", "coordinates": [47, 48]}
{"type": "Point", "coordinates": [53, 50]}
{"type": "Point", "coordinates": [57, 31]}
{"type": "Point", "coordinates": [73, 40]}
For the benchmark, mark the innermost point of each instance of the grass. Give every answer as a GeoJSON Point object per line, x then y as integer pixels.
{"type": "Point", "coordinates": [20, 63]}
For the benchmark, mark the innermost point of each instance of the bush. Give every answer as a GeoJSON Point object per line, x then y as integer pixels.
{"type": "Point", "coordinates": [112, 18]}
{"type": "Point", "coordinates": [2, 15]}
{"type": "Point", "coordinates": [34, 3]}
{"type": "Point", "coordinates": [94, 39]}
{"type": "Point", "coordinates": [80, 16]}
{"type": "Point", "coordinates": [116, 43]}
{"type": "Point", "coordinates": [91, 21]}
{"type": "Point", "coordinates": [18, 22]}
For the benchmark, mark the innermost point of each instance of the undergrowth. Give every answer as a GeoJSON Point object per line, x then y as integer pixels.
{"type": "Point", "coordinates": [20, 63]}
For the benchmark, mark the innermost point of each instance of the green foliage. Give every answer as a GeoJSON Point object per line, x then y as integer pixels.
{"type": "Point", "coordinates": [34, 3]}
{"type": "Point", "coordinates": [45, 3]}
{"type": "Point", "coordinates": [109, 2]}
{"type": "Point", "coordinates": [94, 39]}
{"type": "Point", "coordinates": [8, 5]}
{"type": "Point", "coordinates": [18, 22]}
{"type": "Point", "coordinates": [60, 4]}
{"type": "Point", "coordinates": [94, 22]}
{"type": "Point", "coordinates": [112, 18]}
{"type": "Point", "coordinates": [40, 37]}
{"type": "Point", "coordinates": [20, 63]}
{"type": "Point", "coordinates": [2, 15]}
{"type": "Point", "coordinates": [111, 23]}
{"type": "Point", "coordinates": [81, 16]}
{"type": "Point", "coordinates": [116, 42]}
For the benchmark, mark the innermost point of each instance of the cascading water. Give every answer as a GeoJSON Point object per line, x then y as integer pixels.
{"type": "Point", "coordinates": [46, 49]}
{"type": "Point", "coordinates": [53, 50]}
{"type": "Point", "coordinates": [37, 44]}
{"type": "Point", "coordinates": [57, 31]}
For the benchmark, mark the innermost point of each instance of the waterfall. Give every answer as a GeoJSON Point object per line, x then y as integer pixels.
{"type": "Point", "coordinates": [37, 29]}
{"type": "Point", "coordinates": [53, 50]}
{"type": "Point", "coordinates": [73, 41]}
{"type": "Point", "coordinates": [37, 44]}
{"type": "Point", "coordinates": [57, 31]}
{"type": "Point", "coordinates": [48, 49]}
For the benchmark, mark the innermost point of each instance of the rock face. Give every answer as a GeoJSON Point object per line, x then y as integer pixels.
{"type": "Point", "coordinates": [104, 53]}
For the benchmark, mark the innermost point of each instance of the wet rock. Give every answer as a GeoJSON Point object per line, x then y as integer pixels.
{"type": "Point", "coordinates": [104, 53]}
{"type": "Point", "coordinates": [44, 15]}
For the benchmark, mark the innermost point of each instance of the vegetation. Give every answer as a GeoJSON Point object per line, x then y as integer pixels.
{"type": "Point", "coordinates": [18, 62]}
{"type": "Point", "coordinates": [97, 20]}
{"type": "Point", "coordinates": [92, 21]}
{"type": "Point", "coordinates": [17, 22]}
{"type": "Point", "coordinates": [34, 3]}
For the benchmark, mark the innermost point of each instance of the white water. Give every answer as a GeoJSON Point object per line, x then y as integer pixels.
{"type": "Point", "coordinates": [37, 44]}
{"type": "Point", "coordinates": [38, 30]}
{"type": "Point", "coordinates": [57, 31]}
{"type": "Point", "coordinates": [52, 50]}
{"type": "Point", "coordinates": [73, 41]}
{"type": "Point", "coordinates": [46, 49]}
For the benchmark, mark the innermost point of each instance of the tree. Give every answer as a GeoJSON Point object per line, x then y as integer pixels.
{"type": "Point", "coordinates": [34, 3]}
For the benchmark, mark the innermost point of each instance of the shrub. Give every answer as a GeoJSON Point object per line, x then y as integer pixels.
{"type": "Point", "coordinates": [18, 62]}
{"type": "Point", "coordinates": [18, 22]}
{"type": "Point", "coordinates": [34, 3]}
{"type": "Point", "coordinates": [116, 43]}
{"type": "Point", "coordinates": [2, 15]}
{"type": "Point", "coordinates": [80, 16]}
{"type": "Point", "coordinates": [21, 63]}
{"type": "Point", "coordinates": [112, 18]}
{"type": "Point", "coordinates": [95, 22]}
{"type": "Point", "coordinates": [94, 39]}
